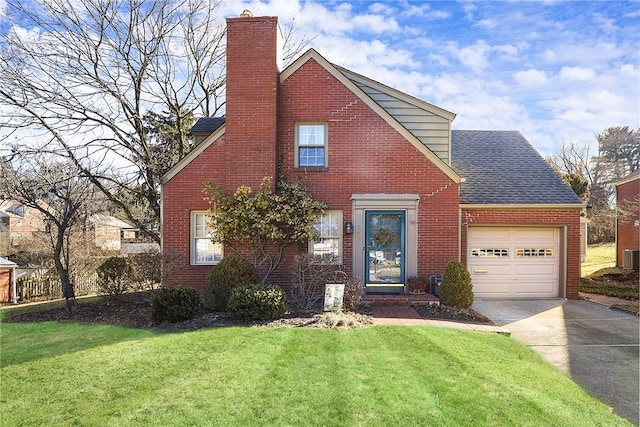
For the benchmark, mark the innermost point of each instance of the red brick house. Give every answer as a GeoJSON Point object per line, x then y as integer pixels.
{"type": "Point", "coordinates": [405, 193]}
{"type": "Point", "coordinates": [628, 220]}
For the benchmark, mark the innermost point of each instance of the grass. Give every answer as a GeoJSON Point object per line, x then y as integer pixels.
{"type": "Point", "coordinates": [601, 276]}
{"type": "Point", "coordinates": [598, 257]}
{"type": "Point", "coordinates": [72, 374]}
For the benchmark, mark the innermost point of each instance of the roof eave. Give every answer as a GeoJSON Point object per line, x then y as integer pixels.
{"type": "Point", "coordinates": [522, 206]}
{"type": "Point", "coordinates": [182, 163]}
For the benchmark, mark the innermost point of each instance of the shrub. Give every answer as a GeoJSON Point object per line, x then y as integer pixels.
{"type": "Point", "coordinates": [313, 272]}
{"type": "Point", "coordinates": [456, 289]}
{"type": "Point", "coordinates": [353, 290]}
{"type": "Point", "coordinates": [258, 302]}
{"type": "Point", "coordinates": [175, 304]}
{"type": "Point", "coordinates": [114, 276]}
{"type": "Point", "coordinates": [231, 272]}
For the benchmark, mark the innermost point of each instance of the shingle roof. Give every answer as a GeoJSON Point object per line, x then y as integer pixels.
{"type": "Point", "coordinates": [501, 167]}
{"type": "Point", "coordinates": [208, 124]}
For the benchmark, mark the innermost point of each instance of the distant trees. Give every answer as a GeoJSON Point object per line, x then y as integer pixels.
{"type": "Point", "coordinates": [112, 88]}
{"type": "Point", "coordinates": [593, 177]}
{"type": "Point", "coordinates": [65, 201]}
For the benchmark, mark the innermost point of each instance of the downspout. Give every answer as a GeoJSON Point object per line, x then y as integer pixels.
{"type": "Point", "coordinates": [459, 233]}
{"type": "Point", "coordinates": [13, 285]}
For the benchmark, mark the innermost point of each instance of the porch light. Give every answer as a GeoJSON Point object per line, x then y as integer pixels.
{"type": "Point", "coordinates": [348, 227]}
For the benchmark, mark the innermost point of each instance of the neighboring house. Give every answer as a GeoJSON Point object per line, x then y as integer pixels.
{"type": "Point", "coordinates": [628, 221]}
{"type": "Point", "coordinates": [405, 193]}
{"type": "Point", "coordinates": [107, 231]}
{"type": "Point", "coordinates": [18, 224]}
{"type": "Point", "coordinates": [7, 281]}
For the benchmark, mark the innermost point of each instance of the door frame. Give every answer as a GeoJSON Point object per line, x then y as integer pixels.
{"type": "Point", "coordinates": [385, 202]}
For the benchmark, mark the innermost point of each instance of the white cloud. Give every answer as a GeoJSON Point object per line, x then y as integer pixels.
{"type": "Point", "coordinates": [577, 73]}
{"type": "Point", "coordinates": [475, 56]}
{"type": "Point", "coordinates": [531, 78]}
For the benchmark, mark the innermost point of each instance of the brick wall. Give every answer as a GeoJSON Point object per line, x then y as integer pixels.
{"type": "Point", "coordinates": [628, 231]}
{"type": "Point", "coordinates": [252, 99]}
{"type": "Point", "coordinates": [534, 217]}
{"type": "Point", "coordinates": [366, 155]}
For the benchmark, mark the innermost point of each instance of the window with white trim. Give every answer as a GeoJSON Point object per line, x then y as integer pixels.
{"type": "Point", "coordinates": [328, 245]}
{"type": "Point", "coordinates": [203, 250]}
{"type": "Point", "coordinates": [311, 145]}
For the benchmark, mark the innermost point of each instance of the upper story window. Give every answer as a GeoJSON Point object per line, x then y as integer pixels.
{"type": "Point", "coordinates": [311, 145]}
{"type": "Point", "coordinates": [203, 250]}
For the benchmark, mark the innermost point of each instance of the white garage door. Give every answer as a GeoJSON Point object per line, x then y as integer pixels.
{"type": "Point", "coordinates": [514, 262]}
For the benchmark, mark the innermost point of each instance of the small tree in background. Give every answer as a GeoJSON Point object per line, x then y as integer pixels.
{"type": "Point", "coordinates": [267, 221]}
{"type": "Point", "coordinates": [456, 289]}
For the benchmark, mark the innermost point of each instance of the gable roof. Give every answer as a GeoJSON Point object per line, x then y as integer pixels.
{"type": "Point", "coordinates": [338, 73]}
{"type": "Point", "coordinates": [207, 124]}
{"type": "Point", "coordinates": [214, 124]}
{"type": "Point", "coordinates": [427, 122]}
{"type": "Point", "coordinates": [502, 168]}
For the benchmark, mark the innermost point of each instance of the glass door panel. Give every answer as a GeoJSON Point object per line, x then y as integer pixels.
{"type": "Point", "coordinates": [384, 250]}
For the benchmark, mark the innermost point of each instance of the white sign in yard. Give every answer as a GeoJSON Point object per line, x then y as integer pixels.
{"type": "Point", "coordinates": [333, 296]}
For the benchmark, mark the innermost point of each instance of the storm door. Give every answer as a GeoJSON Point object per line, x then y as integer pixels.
{"type": "Point", "coordinates": [385, 251]}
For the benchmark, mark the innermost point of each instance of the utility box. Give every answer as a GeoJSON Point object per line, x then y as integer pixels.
{"type": "Point", "coordinates": [631, 259]}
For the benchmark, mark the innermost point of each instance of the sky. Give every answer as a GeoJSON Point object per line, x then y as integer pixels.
{"type": "Point", "coordinates": [557, 71]}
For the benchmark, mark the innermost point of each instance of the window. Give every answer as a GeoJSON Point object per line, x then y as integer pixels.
{"type": "Point", "coordinates": [329, 243]}
{"type": "Point", "coordinates": [534, 252]}
{"type": "Point", "coordinates": [489, 252]}
{"type": "Point", "coordinates": [203, 250]}
{"type": "Point", "coordinates": [311, 145]}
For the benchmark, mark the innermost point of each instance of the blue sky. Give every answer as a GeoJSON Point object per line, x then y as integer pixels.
{"type": "Point", "coordinates": [557, 71]}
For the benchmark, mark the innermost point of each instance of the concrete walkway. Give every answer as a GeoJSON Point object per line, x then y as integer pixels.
{"type": "Point", "coordinates": [402, 315]}
{"type": "Point", "coordinates": [595, 345]}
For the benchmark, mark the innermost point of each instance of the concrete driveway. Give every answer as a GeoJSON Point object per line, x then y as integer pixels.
{"type": "Point", "coordinates": [597, 346]}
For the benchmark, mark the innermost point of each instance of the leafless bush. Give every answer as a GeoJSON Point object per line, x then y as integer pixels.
{"type": "Point", "coordinates": [353, 290]}
{"type": "Point", "coordinates": [312, 273]}
{"type": "Point", "coordinates": [150, 269]}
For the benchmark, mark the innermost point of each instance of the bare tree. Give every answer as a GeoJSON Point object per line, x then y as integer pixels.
{"type": "Point", "coordinates": [78, 79]}
{"type": "Point", "coordinates": [63, 198]}
{"type": "Point", "coordinates": [593, 177]}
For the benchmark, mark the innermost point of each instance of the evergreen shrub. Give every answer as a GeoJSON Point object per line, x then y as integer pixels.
{"type": "Point", "coordinates": [258, 302]}
{"type": "Point", "coordinates": [175, 304]}
{"type": "Point", "coordinates": [456, 289]}
{"type": "Point", "coordinates": [231, 272]}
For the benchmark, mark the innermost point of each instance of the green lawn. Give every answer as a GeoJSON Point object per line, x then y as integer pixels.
{"type": "Point", "coordinates": [598, 257]}
{"type": "Point", "coordinates": [71, 374]}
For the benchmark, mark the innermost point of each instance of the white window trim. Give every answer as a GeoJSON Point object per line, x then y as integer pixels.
{"type": "Point", "coordinates": [296, 153]}
{"type": "Point", "coordinates": [340, 236]}
{"type": "Point", "coordinates": [193, 239]}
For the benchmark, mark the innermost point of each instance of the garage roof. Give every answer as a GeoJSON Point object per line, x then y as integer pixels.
{"type": "Point", "coordinates": [501, 167]}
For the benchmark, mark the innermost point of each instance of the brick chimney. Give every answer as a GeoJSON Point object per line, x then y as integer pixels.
{"type": "Point", "coordinates": [253, 76]}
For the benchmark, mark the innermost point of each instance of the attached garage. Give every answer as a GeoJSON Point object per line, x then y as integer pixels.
{"type": "Point", "coordinates": [514, 262]}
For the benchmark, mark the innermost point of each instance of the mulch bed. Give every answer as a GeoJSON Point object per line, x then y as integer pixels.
{"type": "Point", "coordinates": [134, 310]}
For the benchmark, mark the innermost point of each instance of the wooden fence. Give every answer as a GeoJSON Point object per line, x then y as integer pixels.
{"type": "Point", "coordinates": [50, 287]}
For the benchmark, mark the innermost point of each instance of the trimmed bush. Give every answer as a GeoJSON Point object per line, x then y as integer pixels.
{"type": "Point", "coordinates": [258, 302]}
{"type": "Point", "coordinates": [456, 289]}
{"type": "Point", "coordinates": [175, 304]}
{"type": "Point", "coordinates": [114, 276]}
{"type": "Point", "coordinates": [232, 272]}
